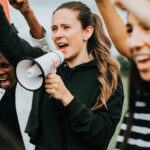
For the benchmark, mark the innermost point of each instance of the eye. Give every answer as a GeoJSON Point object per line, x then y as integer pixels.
{"type": "Point", "coordinates": [54, 28]}
{"type": "Point", "coordinates": [129, 28]}
{"type": "Point", "coordinates": [5, 66]}
{"type": "Point", "coordinates": [66, 27]}
{"type": "Point", "coordinates": [146, 28]}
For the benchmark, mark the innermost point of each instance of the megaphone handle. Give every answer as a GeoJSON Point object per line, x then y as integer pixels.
{"type": "Point", "coordinates": [53, 71]}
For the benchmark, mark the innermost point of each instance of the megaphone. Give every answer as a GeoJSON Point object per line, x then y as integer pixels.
{"type": "Point", "coordinates": [31, 72]}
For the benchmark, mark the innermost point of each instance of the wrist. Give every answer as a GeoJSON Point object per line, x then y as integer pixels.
{"type": "Point", "coordinates": [26, 13]}
{"type": "Point", "coordinates": [99, 1]}
{"type": "Point", "coordinates": [67, 99]}
{"type": "Point", "coordinates": [102, 4]}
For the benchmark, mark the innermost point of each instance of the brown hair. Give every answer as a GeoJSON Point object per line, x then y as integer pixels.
{"type": "Point", "coordinates": [98, 46]}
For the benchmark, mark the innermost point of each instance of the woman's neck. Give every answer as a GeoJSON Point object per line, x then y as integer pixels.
{"type": "Point", "coordinates": [77, 61]}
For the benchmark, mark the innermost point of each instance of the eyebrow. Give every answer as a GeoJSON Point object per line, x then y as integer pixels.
{"type": "Point", "coordinates": [62, 25]}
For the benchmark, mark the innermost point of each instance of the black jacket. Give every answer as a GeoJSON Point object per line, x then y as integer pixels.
{"type": "Point", "coordinates": [74, 127]}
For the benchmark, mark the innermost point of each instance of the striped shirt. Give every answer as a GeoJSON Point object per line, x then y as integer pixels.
{"type": "Point", "coordinates": [140, 130]}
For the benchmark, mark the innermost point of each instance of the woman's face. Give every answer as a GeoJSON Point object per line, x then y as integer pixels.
{"type": "Point", "coordinates": [7, 74]}
{"type": "Point", "coordinates": [68, 35]}
{"type": "Point", "coordinates": [139, 44]}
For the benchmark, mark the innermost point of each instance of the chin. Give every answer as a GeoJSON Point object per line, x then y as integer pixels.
{"type": "Point", "coordinates": [145, 76]}
{"type": "Point", "coordinates": [67, 57]}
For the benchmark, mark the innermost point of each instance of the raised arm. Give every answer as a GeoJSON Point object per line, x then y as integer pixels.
{"type": "Point", "coordinates": [24, 7]}
{"type": "Point", "coordinates": [37, 32]}
{"type": "Point", "coordinates": [115, 26]}
{"type": "Point", "coordinates": [12, 46]}
{"type": "Point", "coordinates": [142, 14]}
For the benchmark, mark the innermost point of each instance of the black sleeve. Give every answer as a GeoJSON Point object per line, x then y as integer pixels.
{"type": "Point", "coordinates": [11, 45]}
{"type": "Point", "coordinates": [96, 127]}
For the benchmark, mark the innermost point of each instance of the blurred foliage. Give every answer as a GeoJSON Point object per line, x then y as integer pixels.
{"type": "Point", "coordinates": [124, 64]}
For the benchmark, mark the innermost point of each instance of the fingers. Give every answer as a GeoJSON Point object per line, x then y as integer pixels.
{"type": "Point", "coordinates": [51, 78]}
{"type": "Point", "coordinates": [51, 86]}
{"type": "Point", "coordinates": [19, 1]}
{"type": "Point", "coordinates": [51, 83]}
{"type": "Point", "coordinates": [51, 75]}
{"type": "Point", "coordinates": [55, 86]}
{"type": "Point", "coordinates": [16, 1]}
{"type": "Point", "coordinates": [51, 91]}
{"type": "Point", "coordinates": [11, 1]}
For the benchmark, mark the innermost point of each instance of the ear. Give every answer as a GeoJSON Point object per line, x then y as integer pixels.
{"type": "Point", "coordinates": [88, 32]}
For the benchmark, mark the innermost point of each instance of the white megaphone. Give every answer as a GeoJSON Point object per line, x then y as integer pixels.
{"type": "Point", "coordinates": [31, 72]}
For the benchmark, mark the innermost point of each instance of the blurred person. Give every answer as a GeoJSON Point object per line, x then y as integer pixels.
{"type": "Point", "coordinates": [8, 141]}
{"type": "Point", "coordinates": [78, 115]}
{"type": "Point", "coordinates": [15, 101]}
{"type": "Point", "coordinates": [8, 115]}
{"type": "Point", "coordinates": [39, 38]}
{"type": "Point", "coordinates": [132, 41]}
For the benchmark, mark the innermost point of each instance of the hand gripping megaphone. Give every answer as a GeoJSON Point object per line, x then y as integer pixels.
{"type": "Point", "coordinates": [31, 72]}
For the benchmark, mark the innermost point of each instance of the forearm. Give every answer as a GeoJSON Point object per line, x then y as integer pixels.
{"type": "Point", "coordinates": [141, 11]}
{"type": "Point", "coordinates": [35, 28]}
{"type": "Point", "coordinates": [96, 127]}
{"type": "Point", "coordinates": [115, 26]}
{"type": "Point", "coordinates": [12, 46]}
{"type": "Point", "coordinates": [24, 7]}
{"type": "Point", "coordinates": [41, 43]}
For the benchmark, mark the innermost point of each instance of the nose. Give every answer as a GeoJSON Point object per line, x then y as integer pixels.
{"type": "Point", "coordinates": [59, 33]}
{"type": "Point", "coordinates": [135, 40]}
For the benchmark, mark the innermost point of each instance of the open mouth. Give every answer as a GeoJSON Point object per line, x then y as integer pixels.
{"type": "Point", "coordinates": [62, 46]}
{"type": "Point", "coordinates": [4, 82]}
{"type": "Point", "coordinates": [142, 58]}
{"type": "Point", "coordinates": [143, 62]}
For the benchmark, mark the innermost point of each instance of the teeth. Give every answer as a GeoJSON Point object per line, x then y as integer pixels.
{"type": "Point", "coordinates": [3, 79]}
{"type": "Point", "coordinates": [62, 44]}
{"type": "Point", "coordinates": [140, 58]}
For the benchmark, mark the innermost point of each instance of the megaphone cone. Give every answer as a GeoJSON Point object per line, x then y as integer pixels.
{"type": "Point", "coordinates": [31, 72]}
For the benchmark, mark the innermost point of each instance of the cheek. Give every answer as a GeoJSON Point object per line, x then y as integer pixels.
{"type": "Point", "coordinates": [128, 42]}
{"type": "Point", "coordinates": [77, 40]}
{"type": "Point", "coordinates": [147, 39]}
{"type": "Point", "coordinates": [54, 41]}
{"type": "Point", "coordinates": [53, 37]}
{"type": "Point", "coordinates": [12, 75]}
{"type": "Point", "coordinates": [129, 45]}
{"type": "Point", "coordinates": [75, 34]}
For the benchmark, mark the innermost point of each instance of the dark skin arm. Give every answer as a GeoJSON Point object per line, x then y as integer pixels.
{"type": "Point", "coordinates": [24, 7]}
{"type": "Point", "coordinates": [12, 46]}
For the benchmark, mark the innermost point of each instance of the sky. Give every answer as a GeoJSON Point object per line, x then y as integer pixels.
{"type": "Point", "coordinates": [43, 11]}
